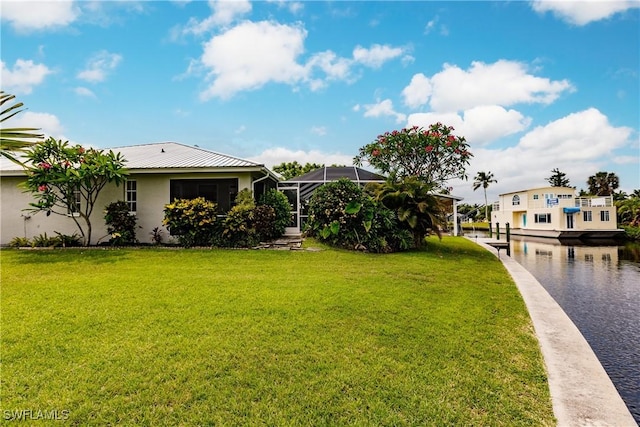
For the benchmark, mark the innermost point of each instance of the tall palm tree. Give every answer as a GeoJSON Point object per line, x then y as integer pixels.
{"type": "Point", "coordinates": [13, 139]}
{"type": "Point", "coordinates": [483, 179]}
{"type": "Point", "coordinates": [603, 183]}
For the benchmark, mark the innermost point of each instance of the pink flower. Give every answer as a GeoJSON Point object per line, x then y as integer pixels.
{"type": "Point", "coordinates": [80, 150]}
{"type": "Point", "coordinates": [42, 187]}
{"type": "Point", "coordinates": [452, 138]}
{"type": "Point", "coordinates": [436, 135]}
{"type": "Point", "coordinates": [428, 148]}
{"type": "Point", "coordinates": [448, 143]}
{"type": "Point", "coordinates": [45, 165]}
{"type": "Point", "coordinates": [375, 153]}
{"type": "Point", "coordinates": [394, 133]}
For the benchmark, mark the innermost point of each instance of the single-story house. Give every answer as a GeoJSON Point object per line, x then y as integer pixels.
{"type": "Point", "coordinates": [158, 173]}
{"type": "Point", "coordinates": [556, 212]}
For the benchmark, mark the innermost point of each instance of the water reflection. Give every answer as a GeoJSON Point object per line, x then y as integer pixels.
{"type": "Point", "coordinates": [599, 289]}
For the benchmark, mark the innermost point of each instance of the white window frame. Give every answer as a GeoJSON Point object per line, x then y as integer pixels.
{"type": "Point", "coordinates": [515, 200]}
{"type": "Point", "coordinates": [131, 195]}
{"type": "Point", "coordinates": [604, 216]}
{"type": "Point", "coordinates": [587, 216]}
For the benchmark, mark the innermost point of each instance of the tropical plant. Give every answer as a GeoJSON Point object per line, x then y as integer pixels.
{"type": "Point", "coordinates": [14, 139]}
{"type": "Point", "coordinates": [157, 236]}
{"type": "Point", "coordinates": [239, 228]}
{"type": "Point", "coordinates": [415, 205]}
{"type": "Point", "coordinates": [20, 242]}
{"type": "Point", "coordinates": [433, 155]}
{"type": "Point", "coordinates": [484, 179]}
{"type": "Point", "coordinates": [192, 221]}
{"type": "Point", "coordinates": [68, 241]}
{"type": "Point", "coordinates": [44, 241]}
{"type": "Point", "coordinates": [121, 224]}
{"type": "Point", "coordinates": [280, 204]}
{"type": "Point", "coordinates": [629, 211]}
{"type": "Point", "coordinates": [290, 170]}
{"type": "Point", "coordinates": [603, 183]}
{"type": "Point", "coordinates": [67, 179]}
{"type": "Point", "coordinates": [558, 179]}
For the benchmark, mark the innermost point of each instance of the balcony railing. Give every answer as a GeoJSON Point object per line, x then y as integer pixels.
{"type": "Point", "coordinates": [599, 201]}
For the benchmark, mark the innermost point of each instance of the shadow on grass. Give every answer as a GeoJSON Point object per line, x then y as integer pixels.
{"type": "Point", "coordinates": [54, 256]}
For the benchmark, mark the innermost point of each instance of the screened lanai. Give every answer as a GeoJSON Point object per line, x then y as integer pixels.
{"type": "Point", "coordinates": [300, 189]}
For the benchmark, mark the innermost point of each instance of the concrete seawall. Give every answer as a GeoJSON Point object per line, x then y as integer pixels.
{"type": "Point", "coordinates": [582, 393]}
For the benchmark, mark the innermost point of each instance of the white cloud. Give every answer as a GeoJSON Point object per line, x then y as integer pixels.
{"type": "Point", "coordinates": [26, 16]}
{"type": "Point", "coordinates": [274, 156]}
{"type": "Point", "coordinates": [418, 91]}
{"type": "Point", "coordinates": [502, 83]}
{"type": "Point", "coordinates": [376, 55]}
{"type": "Point", "coordinates": [83, 91]}
{"type": "Point", "coordinates": [23, 77]}
{"type": "Point", "coordinates": [224, 12]}
{"type": "Point", "coordinates": [319, 130]}
{"type": "Point", "coordinates": [48, 124]}
{"type": "Point", "coordinates": [383, 109]}
{"type": "Point", "coordinates": [479, 125]}
{"type": "Point", "coordinates": [252, 54]}
{"type": "Point", "coordinates": [583, 12]}
{"type": "Point", "coordinates": [99, 65]}
{"type": "Point", "coordinates": [579, 144]}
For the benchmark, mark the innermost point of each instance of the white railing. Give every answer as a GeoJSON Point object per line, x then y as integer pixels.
{"type": "Point", "coordinates": [598, 201]}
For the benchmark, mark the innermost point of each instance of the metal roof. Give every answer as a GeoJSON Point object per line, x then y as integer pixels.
{"type": "Point", "coordinates": [174, 155]}
{"type": "Point", "coordinates": [163, 155]}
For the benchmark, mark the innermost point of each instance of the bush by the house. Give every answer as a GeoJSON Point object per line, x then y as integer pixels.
{"type": "Point", "coordinates": [282, 210]}
{"type": "Point", "coordinates": [20, 242]}
{"type": "Point", "coordinates": [121, 225]}
{"type": "Point", "coordinates": [192, 221]}
{"type": "Point", "coordinates": [343, 215]}
{"type": "Point", "coordinates": [239, 226]}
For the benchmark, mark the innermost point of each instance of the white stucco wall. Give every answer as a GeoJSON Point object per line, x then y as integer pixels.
{"type": "Point", "coordinates": [15, 221]}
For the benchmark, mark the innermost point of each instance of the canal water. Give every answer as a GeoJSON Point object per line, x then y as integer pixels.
{"type": "Point", "coordinates": [598, 286]}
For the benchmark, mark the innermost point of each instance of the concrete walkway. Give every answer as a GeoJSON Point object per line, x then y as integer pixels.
{"type": "Point", "coordinates": [582, 393]}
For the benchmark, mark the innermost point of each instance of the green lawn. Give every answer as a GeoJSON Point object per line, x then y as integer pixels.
{"type": "Point", "coordinates": [241, 337]}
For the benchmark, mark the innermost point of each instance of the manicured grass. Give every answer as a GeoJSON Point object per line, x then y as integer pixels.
{"type": "Point", "coordinates": [237, 337]}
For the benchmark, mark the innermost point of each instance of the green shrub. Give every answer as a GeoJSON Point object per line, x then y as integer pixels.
{"type": "Point", "coordinates": [239, 229]}
{"type": "Point", "coordinates": [20, 242]}
{"type": "Point", "coordinates": [264, 220]}
{"type": "Point", "coordinates": [44, 241]}
{"type": "Point", "coordinates": [193, 222]}
{"type": "Point", "coordinates": [121, 224]}
{"type": "Point", "coordinates": [68, 241]}
{"type": "Point", "coordinates": [343, 215]}
{"type": "Point", "coordinates": [278, 201]}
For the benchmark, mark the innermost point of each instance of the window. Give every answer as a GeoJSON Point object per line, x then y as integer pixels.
{"type": "Point", "coordinates": [586, 216]}
{"type": "Point", "coordinates": [515, 201]}
{"type": "Point", "coordinates": [604, 216]}
{"type": "Point", "coordinates": [565, 196]}
{"type": "Point", "coordinates": [535, 197]}
{"type": "Point", "coordinates": [131, 190]}
{"type": "Point", "coordinates": [75, 203]}
{"type": "Point", "coordinates": [220, 191]}
{"type": "Point", "coordinates": [542, 218]}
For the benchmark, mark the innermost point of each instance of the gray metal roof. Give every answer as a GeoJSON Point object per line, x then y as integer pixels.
{"type": "Point", "coordinates": [174, 155]}
{"type": "Point", "coordinates": [163, 155]}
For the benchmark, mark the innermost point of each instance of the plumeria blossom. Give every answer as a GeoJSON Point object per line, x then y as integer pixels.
{"type": "Point", "coordinates": [433, 154]}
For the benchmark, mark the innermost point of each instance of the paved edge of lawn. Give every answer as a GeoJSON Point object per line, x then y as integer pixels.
{"type": "Point", "coordinates": [582, 393]}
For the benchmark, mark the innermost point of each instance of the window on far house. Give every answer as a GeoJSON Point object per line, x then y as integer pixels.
{"type": "Point", "coordinates": [542, 218]}
{"type": "Point", "coordinates": [586, 216]}
{"type": "Point", "coordinates": [604, 216]}
{"type": "Point", "coordinates": [515, 201]}
{"type": "Point", "coordinates": [131, 196]}
{"type": "Point", "coordinates": [535, 197]}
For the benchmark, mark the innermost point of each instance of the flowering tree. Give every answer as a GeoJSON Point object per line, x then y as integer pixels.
{"type": "Point", "coordinates": [433, 155]}
{"type": "Point", "coordinates": [67, 179]}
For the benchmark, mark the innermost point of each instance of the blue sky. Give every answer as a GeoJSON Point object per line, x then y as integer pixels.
{"type": "Point", "coordinates": [532, 86]}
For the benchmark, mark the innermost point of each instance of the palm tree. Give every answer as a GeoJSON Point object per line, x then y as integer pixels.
{"type": "Point", "coordinates": [603, 183]}
{"type": "Point", "coordinates": [483, 179]}
{"type": "Point", "coordinates": [415, 204]}
{"type": "Point", "coordinates": [13, 139]}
